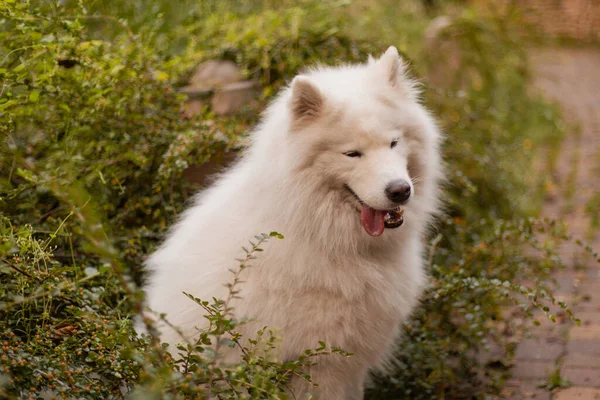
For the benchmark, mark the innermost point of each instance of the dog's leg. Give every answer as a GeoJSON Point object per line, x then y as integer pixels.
{"type": "Point", "coordinates": [337, 380]}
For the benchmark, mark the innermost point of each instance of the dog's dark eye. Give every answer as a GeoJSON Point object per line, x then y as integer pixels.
{"type": "Point", "coordinates": [394, 143]}
{"type": "Point", "coordinates": [353, 153]}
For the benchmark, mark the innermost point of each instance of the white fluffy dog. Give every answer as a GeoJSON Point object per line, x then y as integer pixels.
{"type": "Point", "coordinates": [346, 165]}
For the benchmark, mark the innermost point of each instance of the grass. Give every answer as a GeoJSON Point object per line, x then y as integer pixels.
{"type": "Point", "coordinates": [555, 380]}
{"type": "Point", "coordinates": [592, 210]}
{"type": "Point", "coordinates": [592, 207]}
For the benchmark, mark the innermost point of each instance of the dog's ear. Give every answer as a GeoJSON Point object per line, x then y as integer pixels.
{"type": "Point", "coordinates": [392, 66]}
{"type": "Point", "coordinates": [307, 101]}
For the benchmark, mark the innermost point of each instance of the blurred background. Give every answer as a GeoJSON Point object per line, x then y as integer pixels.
{"type": "Point", "coordinates": [113, 113]}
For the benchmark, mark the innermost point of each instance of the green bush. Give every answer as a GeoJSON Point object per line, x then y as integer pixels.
{"type": "Point", "coordinates": [91, 174]}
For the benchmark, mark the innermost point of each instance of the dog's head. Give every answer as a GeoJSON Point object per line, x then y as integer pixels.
{"type": "Point", "coordinates": [361, 131]}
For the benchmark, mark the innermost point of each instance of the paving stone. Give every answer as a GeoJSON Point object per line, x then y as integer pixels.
{"type": "Point", "coordinates": [582, 360]}
{"type": "Point", "coordinates": [567, 281]}
{"type": "Point", "coordinates": [222, 80]}
{"type": "Point", "coordinates": [548, 330]}
{"type": "Point", "coordinates": [582, 376]}
{"type": "Point", "coordinates": [586, 307]}
{"type": "Point", "coordinates": [590, 332]}
{"type": "Point", "coordinates": [568, 71]}
{"type": "Point", "coordinates": [567, 297]}
{"type": "Point", "coordinates": [231, 97]}
{"type": "Point", "coordinates": [591, 281]}
{"type": "Point", "coordinates": [215, 72]}
{"type": "Point", "coordinates": [588, 317]}
{"type": "Point", "coordinates": [578, 393]}
{"type": "Point", "coordinates": [519, 390]}
{"type": "Point", "coordinates": [539, 350]}
{"type": "Point", "coordinates": [533, 370]}
{"type": "Point", "coordinates": [591, 347]}
{"type": "Point", "coordinates": [438, 44]}
{"type": "Point", "coordinates": [588, 298]}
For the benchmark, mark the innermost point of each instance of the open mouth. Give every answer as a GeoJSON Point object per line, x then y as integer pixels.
{"type": "Point", "coordinates": [375, 221]}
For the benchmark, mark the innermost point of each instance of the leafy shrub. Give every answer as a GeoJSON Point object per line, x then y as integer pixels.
{"type": "Point", "coordinates": [94, 147]}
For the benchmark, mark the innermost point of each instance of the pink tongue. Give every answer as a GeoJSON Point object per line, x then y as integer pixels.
{"type": "Point", "coordinates": [372, 220]}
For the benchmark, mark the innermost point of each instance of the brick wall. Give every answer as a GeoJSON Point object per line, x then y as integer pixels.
{"type": "Point", "coordinates": [576, 19]}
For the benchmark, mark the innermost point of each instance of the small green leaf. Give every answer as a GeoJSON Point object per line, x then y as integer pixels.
{"type": "Point", "coordinates": [34, 96]}
{"type": "Point", "coordinates": [276, 235]}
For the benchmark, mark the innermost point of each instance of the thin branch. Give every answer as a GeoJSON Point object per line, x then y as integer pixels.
{"type": "Point", "coordinates": [46, 293]}
{"type": "Point", "coordinates": [44, 216]}
{"type": "Point", "coordinates": [434, 244]}
{"type": "Point", "coordinates": [27, 274]}
{"type": "Point", "coordinates": [3, 87]}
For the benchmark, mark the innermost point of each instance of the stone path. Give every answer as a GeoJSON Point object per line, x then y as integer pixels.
{"type": "Point", "coordinates": [570, 76]}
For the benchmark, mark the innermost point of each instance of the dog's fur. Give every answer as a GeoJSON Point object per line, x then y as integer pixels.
{"type": "Point", "coordinates": [328, 279]}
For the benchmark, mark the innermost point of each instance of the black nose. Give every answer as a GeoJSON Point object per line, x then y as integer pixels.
{"type": "Point", "coordinates": [398, 191]}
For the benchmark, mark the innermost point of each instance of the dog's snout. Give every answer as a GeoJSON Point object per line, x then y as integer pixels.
{"type": "Point", "coordinates": [398, 191]}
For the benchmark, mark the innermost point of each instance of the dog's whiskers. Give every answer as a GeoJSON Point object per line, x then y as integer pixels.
{"type": "Point", "coordinates": [416, 179]}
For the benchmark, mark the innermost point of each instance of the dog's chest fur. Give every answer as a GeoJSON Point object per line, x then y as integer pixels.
{"type": "Point", "coordinates": [355, 304]}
